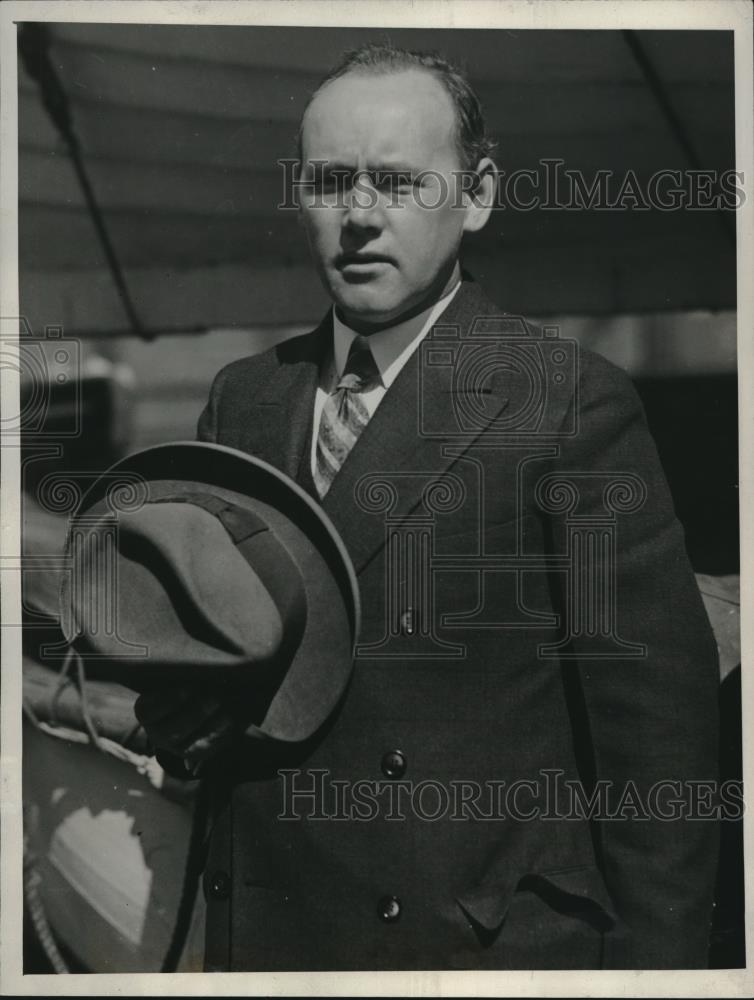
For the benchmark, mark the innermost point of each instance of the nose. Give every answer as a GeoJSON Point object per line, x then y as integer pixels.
{"type": "Point", "coordinates": [363, 209]}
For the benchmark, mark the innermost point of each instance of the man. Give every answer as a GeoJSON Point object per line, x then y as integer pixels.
{"type": "Point", "coordinates": [529, 614]}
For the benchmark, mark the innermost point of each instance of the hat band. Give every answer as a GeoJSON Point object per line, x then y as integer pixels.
{"type": "Point", "coordinates": [267, 557]}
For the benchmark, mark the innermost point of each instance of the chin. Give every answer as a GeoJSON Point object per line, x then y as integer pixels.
{"type": "Point", "coordinates": [370, 306]}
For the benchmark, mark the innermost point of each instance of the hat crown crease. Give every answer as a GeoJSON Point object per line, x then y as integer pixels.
{"type": "Point", "coordinates": [203, 572]}
{"type": "Point", "coordinates": [185, 600]}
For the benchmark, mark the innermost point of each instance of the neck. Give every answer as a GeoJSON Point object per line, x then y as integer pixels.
{"type": "Point", "coordinates": [366, 327]}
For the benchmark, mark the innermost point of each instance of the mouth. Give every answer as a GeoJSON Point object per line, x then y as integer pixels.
{"type": "Point", "coordinates": [358, 262]}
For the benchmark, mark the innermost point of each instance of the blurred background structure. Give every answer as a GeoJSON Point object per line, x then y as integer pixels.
{"type": "Point", "coordinates": [180, 129]}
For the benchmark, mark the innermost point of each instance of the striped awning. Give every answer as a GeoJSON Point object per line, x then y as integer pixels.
{"type": "Point", "coordinates": [181, 129]}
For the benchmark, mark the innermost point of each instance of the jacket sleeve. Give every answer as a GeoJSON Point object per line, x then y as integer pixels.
{"type": "Point", "coordinates": [651, 718]}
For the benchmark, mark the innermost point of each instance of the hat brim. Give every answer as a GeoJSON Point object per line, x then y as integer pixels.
{"type": "Point", "coordinates": [321, 666]}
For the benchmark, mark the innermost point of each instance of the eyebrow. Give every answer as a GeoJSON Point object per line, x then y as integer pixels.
{"type": "Point", "coordinates": [335, 167]}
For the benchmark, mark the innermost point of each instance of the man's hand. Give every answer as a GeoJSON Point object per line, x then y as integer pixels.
{"type": "Point", "coordinates": [190, 722]}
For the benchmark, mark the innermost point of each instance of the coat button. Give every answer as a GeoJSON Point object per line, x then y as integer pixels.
{"type": "Point", "coordinates": [394, 764]}
{"type": "Point", "coordinates": [219, 885]}
{"type": "Point", "coordinates": [407, 622]}
{"type": "Point", "coordinates": [389, 909]}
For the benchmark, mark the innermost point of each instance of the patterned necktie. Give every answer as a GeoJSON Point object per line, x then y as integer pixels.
{"type": "Point", "coordinates": [344, 416]}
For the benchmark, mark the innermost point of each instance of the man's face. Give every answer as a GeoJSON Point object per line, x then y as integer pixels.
{"type": "Point", "coordinates": [380, 250]}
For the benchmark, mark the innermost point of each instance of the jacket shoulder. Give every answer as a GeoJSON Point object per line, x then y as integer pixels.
{"type": "Point", "coordinates": [569, 380]}
{"type": "Point", "coordinates": [257, 368]}
{"type": "Point", "coordinates": [586, 377]}
{"type": "Point", "coordinates": [603, 386]}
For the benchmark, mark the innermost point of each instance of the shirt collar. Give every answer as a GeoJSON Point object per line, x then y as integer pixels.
{"type": "Point", "coordinates": [392, 346]}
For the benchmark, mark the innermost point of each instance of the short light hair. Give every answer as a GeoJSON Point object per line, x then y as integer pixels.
{"type": "Point", "coordinates": [471, 137]}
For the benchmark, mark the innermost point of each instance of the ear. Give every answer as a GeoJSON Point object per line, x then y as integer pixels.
{"type": "Point", "coordinates": [481, 201]}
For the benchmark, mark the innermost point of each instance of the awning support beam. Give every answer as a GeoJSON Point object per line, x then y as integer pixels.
{"type": "Point", "coordinates": [660, 94]}
{"type": "Point", "coordinates": [34, 43]}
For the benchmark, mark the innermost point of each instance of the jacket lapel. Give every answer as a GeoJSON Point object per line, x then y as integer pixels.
{"type": "Point", "coordinates": [279, 428]}
{"type": "Point", "coordinates": [404, 441]}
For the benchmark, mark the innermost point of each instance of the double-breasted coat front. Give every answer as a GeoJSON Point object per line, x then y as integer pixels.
{"type": "Point", "coordinates": [534, 690]}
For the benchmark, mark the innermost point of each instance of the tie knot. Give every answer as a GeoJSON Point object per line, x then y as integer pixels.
{"type": "Point", "coordinates": [360, 370]}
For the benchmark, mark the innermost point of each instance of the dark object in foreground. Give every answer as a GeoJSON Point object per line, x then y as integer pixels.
{"type": "Point", "coordinates": [226, 572]}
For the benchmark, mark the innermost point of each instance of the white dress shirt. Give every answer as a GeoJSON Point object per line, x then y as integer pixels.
{"type": "Point", "coordinates": [391, 348]}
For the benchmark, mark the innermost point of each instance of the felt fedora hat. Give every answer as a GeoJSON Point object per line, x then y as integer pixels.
{"type": "Point", "coordinates": [193, 562]}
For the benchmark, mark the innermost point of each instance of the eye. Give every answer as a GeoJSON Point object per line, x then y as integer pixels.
{"type": "Point", "coordinates": [392, 181]}
{"type": "Point", "coordinates": [331, 182]}
{"type": "Point", "coordinates": [341, 181]}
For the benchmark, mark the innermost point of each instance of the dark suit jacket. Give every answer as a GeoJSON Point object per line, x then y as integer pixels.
{"type": "Point", "coordinates": [503, 665]}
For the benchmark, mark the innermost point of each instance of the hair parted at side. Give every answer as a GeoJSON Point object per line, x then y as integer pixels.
{"type": "Point", "coordinates": [379, 59]}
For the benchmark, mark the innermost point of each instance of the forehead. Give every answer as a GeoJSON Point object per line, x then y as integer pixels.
{"type": "Point", "coordinates": [375, 118]}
